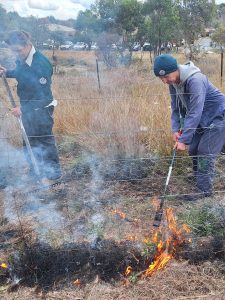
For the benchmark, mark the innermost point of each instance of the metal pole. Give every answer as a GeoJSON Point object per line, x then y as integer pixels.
{"type": "Point", "coordinates": [25, 137]}
{"type": "Point", "coordinates": [97, 69]}
{"type": "Point", "coordinates": [159, 212]}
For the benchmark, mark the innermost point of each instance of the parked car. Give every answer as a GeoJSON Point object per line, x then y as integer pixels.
{"type": "Point", "coordinates": [136, 47]}
{"type": "Point", "coordinates": [94, 46]}
{"type": "Point", "coordinates": [49, 46]}
{"type": "Point", "coordinates": [66, 46]}
{"type": "Point", "coordinates": [80, 46]}
{"type": "Point", "coordinates": [45, 46]}
{"type": "Point", "coordinates": [147, 47]}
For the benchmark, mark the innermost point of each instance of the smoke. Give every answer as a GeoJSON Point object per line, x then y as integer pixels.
{"type": "Point", "coordinates": [45, 209]}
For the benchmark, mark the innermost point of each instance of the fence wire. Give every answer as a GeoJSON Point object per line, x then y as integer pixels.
{"type": "Point", "coordinates": [101, 198]}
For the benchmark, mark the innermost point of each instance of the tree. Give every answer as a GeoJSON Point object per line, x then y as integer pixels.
{"type": "Point", "coordinates": [162, 19]}
{"type": "Point", "coordinates": [8, 21]}
{"type": "Point", "coordinates": [3, 18]}
{"type": "Point", "coordinates": [88, 26]}
{"type": "Point", "coordinates": [128, 19]}
{"type": "Point", "coordinates": [194, 16]}
{"type": "Point", "coordinates": [107, 11]}
{"type": "Point", "coordinates": [219, 36]}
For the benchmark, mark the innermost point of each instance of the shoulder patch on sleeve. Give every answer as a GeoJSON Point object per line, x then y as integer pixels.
{"type": "Point", "coordinates": [43, 80]}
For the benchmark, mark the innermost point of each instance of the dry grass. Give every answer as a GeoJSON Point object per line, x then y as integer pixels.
{"type": "Point", "coordinates": [121, 117]}
{"type": "Point", "coordinates": [129, 116]}
{"type": "Point", "coordinates": [180, 281]}
{"type": "Point", "coordinates": [132, 110]}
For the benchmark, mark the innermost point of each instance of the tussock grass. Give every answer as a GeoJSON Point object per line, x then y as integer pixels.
{"type": "Point", "coordinates": [129, 116]}
{"type": "Point", "coordinates": [122, 118]}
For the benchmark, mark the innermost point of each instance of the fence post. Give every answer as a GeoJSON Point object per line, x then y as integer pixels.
{"type": "Point", "coordinates": [97, 69]}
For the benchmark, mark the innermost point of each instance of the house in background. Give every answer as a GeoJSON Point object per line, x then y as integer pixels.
{"type": "Point", "coordinates": [205, 43]}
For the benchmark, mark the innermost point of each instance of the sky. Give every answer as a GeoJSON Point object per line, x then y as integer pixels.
{"type": "Point", "coordinates": [60, 9]}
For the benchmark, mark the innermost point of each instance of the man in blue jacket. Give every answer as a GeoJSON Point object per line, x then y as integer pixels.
{"type": "Point", "coordinates": [198, 108]}
{"type": "Point", "coordinates": [33, 73]}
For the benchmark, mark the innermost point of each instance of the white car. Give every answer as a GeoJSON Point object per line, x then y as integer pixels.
{"type": "Point", "coordinates": [94, 46]}
{"type": "Point", "coordinates": [67, 46]}
{"type": "Point", "coordinates": [79, 46]}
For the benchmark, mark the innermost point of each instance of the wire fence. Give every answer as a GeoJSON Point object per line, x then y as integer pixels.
{"type": "Point", "coordinates": [63, 230]}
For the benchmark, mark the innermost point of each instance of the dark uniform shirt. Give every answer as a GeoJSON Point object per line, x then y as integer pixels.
{"type": "Point", "coordinates": [34, 82]}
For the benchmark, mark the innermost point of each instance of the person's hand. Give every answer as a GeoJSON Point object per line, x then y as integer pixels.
{"type": "Point", "coordinates": [176, 136]}
{"type": "Point", "coordinates": [16, 111]}
{"type": "Point", "coordinates": [179, 146]}
{"type": "Point", "coordinates": [2, 70]}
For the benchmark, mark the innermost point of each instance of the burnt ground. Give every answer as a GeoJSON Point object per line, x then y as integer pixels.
{"type": "Point", "coordinates": [75, 231]}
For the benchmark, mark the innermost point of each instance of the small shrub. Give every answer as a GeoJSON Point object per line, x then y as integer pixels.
{"type": "Point", "coordinates": [206, 221]}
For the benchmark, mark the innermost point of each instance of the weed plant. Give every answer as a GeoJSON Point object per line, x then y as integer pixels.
{"type": "Point", "coordinates": [205, 221]}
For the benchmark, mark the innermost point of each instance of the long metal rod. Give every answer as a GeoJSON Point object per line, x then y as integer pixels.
{"type": "Point", "coordinates": [24, 134]}
{"type": "Point", "coordinates": [159, 212]}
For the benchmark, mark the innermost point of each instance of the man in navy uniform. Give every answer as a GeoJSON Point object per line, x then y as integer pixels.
{"type": "Point", "coordinates": [33, 73]}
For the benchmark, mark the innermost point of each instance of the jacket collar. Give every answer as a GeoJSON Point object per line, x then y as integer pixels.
{"type": "Point", "coordinates": [29, 58]}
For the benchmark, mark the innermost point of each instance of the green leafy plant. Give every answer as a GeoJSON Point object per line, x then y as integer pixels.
{"type": "Point", "coordinates": [205, 221]}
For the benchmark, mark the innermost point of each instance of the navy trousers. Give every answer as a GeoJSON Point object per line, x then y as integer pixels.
{"type": "Point", "coordinates": [38, 125]}
{"type": "Point", "coordinates": [204, 149]}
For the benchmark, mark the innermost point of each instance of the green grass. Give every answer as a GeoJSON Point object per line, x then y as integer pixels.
{"type": "Point", "coordinates": [205, 221]}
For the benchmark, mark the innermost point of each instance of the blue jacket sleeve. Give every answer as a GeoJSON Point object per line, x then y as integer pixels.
{"type": "Point", "coordinates": [175, 116]}
{"type": "Point", "coordinates": [11, 73]}
{"type": "Point", "coordinates": [196, 88]}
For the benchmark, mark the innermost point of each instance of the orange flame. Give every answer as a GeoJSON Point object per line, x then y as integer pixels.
{"type": "Point", "coordinates": [77, 281]}
{"type": "Point", "coordinates": [4, 265]}
{"type": "Point", "coordinates": [119, 213]}
{"type": "Point", "coordinates": [154, 239]}
{"type": "Point", "coordinates": [128, 271]}
{"type": "Point", "coordinates": [166, 248]}
{"type": "Point", "coordinates": [131, 238]}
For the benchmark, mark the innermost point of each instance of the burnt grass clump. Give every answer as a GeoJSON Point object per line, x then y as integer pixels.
{"type": "Point", "coordinates": [41, 265]}
{"type": "Point", "coordinates": [45, 266]}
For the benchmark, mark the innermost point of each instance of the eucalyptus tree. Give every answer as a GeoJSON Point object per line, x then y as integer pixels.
{"type": "Point", "coordinates": [162, 17]}
{"type": "Point", "coordinates": [119, 20]}
{"type": "Point", "coordinates": [8, 21]}
{"type": "Point", "coordinates": [107, 11]}
{"type": "Point", "coordinates": [128, 19]}
{"type": "Point", "coordinates": [195, 15]}
{"type": "Point", "coordinates": [88, 26]}
{"type": "Point", "coordinates": [219, 36]}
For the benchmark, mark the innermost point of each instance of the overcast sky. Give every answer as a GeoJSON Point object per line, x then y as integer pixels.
{"type": "Point", "coordinates": [60, 9]}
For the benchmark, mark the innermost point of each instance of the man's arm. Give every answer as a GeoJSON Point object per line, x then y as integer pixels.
{"type": "Point", "coordinates": [196, 87]}
{"type": "Point", "coordinates": [175, 115]}
{"type": "Point", "coordinates": [8, 73]}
